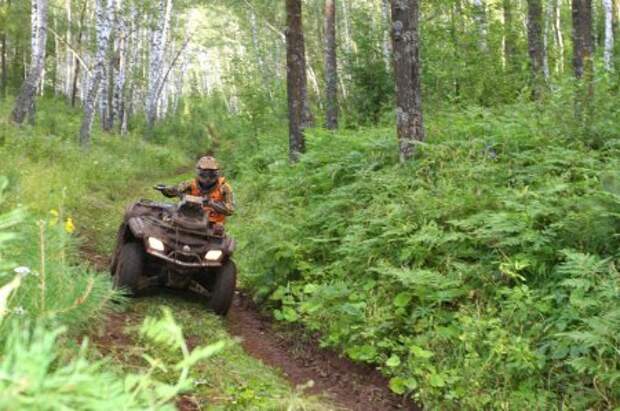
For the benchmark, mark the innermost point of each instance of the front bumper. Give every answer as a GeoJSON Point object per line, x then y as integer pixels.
{"type": "Point", "coordinates": [198, 263]}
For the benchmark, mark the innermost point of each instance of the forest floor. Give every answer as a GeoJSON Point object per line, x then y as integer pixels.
{"type": "Point", "coordinates": [266, 365]}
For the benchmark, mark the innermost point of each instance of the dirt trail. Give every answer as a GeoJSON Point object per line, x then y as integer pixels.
{"type": "Point", "coordinates": [315, 370]}
{"type": "Point", "coordinates": [352, 386]}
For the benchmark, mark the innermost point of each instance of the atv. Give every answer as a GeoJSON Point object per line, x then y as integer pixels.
{"type": "Point", "coordinates": [175, 246]}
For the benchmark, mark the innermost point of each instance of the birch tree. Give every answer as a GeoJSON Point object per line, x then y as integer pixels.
{"type": "Point", "coordinates": [103, 11]}
{"type": "Point", "coordinates": [156, 65]}
{"type": "Point", "coordinates": [609, 34]}
{"type": "Point", "coordinates": [559, 37]}
{"type": "Point", "coordinates": [407, 70]}
{"type": "Point", "coordinates": [25, 102]}
{"type": "Point", "coordinates": [331, 65]}
{"type": "Point", "coordinates": [296, 78]}
{"type": "Point", "coordinates": [121, 74]}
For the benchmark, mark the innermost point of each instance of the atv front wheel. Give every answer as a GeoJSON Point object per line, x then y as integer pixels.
{"type": "Point", "coordinates": [223, 289]}
{"type": "Point", "coordinates": [129, 267]}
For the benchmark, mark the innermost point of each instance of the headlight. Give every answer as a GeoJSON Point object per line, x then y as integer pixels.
{"type": "Point", "coordinates": [213, 255]}
{"type": "Point", "coordinates": [156, 244]}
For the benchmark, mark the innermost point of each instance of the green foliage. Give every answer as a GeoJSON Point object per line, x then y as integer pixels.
{"type": "Point", "coordinates": [369, 76]}
{"type": "Point", "coordinates": [34, 376]}
{"type": "Point", "coordinates": [481, 275]}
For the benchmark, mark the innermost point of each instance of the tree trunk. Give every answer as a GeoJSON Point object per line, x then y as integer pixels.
{"type": "Point", "coordinates": [582, 59]}
{"type": "Point", "coordinates": [119, 85]}
{"type": "Point", "coordinates": [296, 77]}
{"type": "Point", "coordinates": [582, 37]}
{"type": "Point", "coordinates": [609, 35]}
{"type": "Point", "coordinates": [535, 46]}
{"type": "Point", "coordinates": [68, 53]}
{"type": "Point", "coordinates": [76, 62]}
{"type": "Point", "coordinates": [559, 37]}
{"type": "Point", "coordinates": [103, 27]}
{"type": "Point", "coordinates": [331, 65]}
{"type": "Point", "coordinates": [156, 66]}
{"type": "Point", "coordinates": [407, 70]}
{"type": "Point", "coordinates": [547, 16]}
{"type": "Point", "coordinates": [24, 104]}
{"type": "Point", "coordinates": [386, 46]}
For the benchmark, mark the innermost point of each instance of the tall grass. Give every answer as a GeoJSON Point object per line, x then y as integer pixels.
{"type": "Point", "coordinates": [53, 195]}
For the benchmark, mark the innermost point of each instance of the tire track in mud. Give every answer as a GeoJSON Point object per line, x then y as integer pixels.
{"type": "Point", "coordinates": [307, 367]}
{"type": "Point", "coordinates": [316, 370]}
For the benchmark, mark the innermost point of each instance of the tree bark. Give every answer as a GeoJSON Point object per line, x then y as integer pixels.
{"type": "Point", "coordinates": [103, 13]}
{"type": "Point", "coordinates": [407, 70]}
{"type": "Point", "coordinates": [547, 17]}
{"type": "Point", "coordinates": [582, 59]}
{"type": "Point", "coordinates": [609, 35]}
{"type": "Point", "coordinates": [76, 63]}
{"type": "Point", "coordinates": [535, 46]}
{"type": "Point", "coordinates": [158, 48]}
{"type": "Point", "coordinates": [331, 65]}
{"type": "Point", "coordinates": [582, 37]}
{"type": "Point", "coordinates": [296, 78]}
{"type": "Point", "coordinates": [559, 37]}
{"type": "Point", "coordinates": [25, 102]}
{"type": "Point", "coordinates": [386, 46]}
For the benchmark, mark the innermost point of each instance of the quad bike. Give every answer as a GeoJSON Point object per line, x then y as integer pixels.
{"type": "Point", "coordinates": [175, 246]}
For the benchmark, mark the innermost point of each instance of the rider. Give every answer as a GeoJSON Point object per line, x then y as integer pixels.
{"type": "Point", "coordinates": [208, 183]}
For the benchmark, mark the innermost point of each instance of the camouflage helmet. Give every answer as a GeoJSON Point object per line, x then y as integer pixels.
{"type": "Point", "coordinates": [207, 163]}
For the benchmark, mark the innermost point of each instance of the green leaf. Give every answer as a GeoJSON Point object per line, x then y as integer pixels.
{"type": "Point", "coordinates": [393, 361]}
{"type": "Point", "coordinates": [437, 380]}
{"type": "Point", "coordinates": [402, 299]}
{"type": "Point", "coordinates": [420, 352]}
{"type": "Point", "coordinates": [310, 288]}
{"type": "Point", "coordinates": [398, 385]}
{"type": "Point", "coordinates": [289, 314]}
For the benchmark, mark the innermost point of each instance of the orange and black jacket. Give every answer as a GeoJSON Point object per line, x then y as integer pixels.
{"type": "Point", "coordinates": [221, 204]}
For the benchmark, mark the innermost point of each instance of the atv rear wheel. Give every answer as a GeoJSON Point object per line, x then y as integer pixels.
{"type": "Point", "coordinates": [223, 289]}
{"type": "Point", "coordinates": [129, 267]}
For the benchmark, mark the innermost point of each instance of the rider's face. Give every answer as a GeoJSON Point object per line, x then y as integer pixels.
{"type": "Point", "coordinates": [207, 177]}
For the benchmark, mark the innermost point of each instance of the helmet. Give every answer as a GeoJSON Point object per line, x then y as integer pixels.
{"type": "Point", "coordinates": [207, 169]}
{"type": "Point", "coordinates": [207, 163]}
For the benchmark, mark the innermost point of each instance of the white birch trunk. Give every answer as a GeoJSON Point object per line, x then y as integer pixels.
{"type": "Point", "coordinates": [24, 104]}
{"type": "Point", "coordinates": [609, 35]}
{"type": "Point", "coordinates": [103, 28]}
{"type": "Point", "coordinates": [547, 16]}
{"type": "Point", "coordinates": [387, 46]}
{"type": "Point", "coordinates": [558, 34]}
{"type": "Point", "coordinates": [68, 55]}
{"type": "Point", "coordinates": [119, 85]}
{"type": "Point", "coordinates": [156, 66]}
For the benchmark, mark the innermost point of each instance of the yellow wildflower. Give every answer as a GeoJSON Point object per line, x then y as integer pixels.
{"type": "Point", "coordinates": [69, 226]}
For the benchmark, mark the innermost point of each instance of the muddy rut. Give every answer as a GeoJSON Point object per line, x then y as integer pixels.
{"type": "Point", "coordinates": [300, 359]}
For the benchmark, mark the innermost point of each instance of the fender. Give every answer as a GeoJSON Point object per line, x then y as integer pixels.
{"type": "Point", "coordinates": [136, 225]}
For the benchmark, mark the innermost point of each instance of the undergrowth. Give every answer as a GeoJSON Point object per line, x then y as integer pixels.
{"type": "Point", "coordinates": [484, 274]}
{"type": "Point", "coordinates": [52, 194]}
